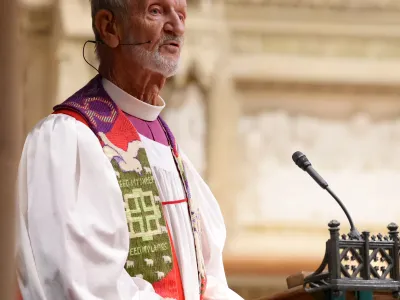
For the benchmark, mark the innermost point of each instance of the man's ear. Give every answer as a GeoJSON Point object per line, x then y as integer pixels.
{"type": "Point", "coordinates": [106, 27]}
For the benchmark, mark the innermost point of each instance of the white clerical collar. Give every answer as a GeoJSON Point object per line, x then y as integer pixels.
{"type": "Point", "coordinates": [132, 105]}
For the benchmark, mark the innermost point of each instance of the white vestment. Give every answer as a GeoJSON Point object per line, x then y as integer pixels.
{"type": "Point", "coordinates": [73, 236]}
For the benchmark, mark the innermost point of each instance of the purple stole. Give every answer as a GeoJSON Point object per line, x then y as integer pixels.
{"type": "Point", "coordinates": [151, 253]}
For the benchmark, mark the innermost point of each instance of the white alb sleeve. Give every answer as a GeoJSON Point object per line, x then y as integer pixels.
{"type": "Point", "coordinates": [73, 239]}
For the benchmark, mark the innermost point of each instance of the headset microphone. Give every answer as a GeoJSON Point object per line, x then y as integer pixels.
{"type": "Point", "coordinates": [136, 44]}
{"type": "Point", "coordinates": [121, 44]}
{"type": "Point", "coordinates": [101, 42]}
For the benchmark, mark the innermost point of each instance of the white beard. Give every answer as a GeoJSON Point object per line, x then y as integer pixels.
{"type": "Point", "coordinates": [154, 61]}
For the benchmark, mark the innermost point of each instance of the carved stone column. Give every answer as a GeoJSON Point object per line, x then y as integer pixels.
{"type": "Point", "coordinates": [205, 67]}
{"type": "Point", "coordinates": [10, 142]}
{"type": "Point", "coordinates": [38, 62]}
{"type": "Point", "coordinates": [73, 71]}
{"type": "Point", "coordinates": [223, 116]}
{"type": "Point", "coordinates": [224, 143]}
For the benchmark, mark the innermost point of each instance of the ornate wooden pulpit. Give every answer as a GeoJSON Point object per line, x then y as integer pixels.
{"type": "Point", "coordinates": [362, 268]}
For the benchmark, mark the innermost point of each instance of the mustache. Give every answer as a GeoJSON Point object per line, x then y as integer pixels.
{"type": "Point", "coordinates": [171, 38]}
{"type": "Point", "coordinates": [164, 39]}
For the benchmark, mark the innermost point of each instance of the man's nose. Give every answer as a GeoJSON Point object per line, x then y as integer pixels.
{"type": "Point", "coordinates": [174, 26]}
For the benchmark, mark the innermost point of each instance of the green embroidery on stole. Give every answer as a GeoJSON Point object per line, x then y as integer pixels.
{"type": "Point", "coordinates": [150, 255]}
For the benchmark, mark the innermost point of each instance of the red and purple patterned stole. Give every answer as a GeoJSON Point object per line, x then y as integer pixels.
{"type": "Point", "coordinates": [151, 253]}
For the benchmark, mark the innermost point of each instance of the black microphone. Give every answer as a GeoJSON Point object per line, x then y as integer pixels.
{"type": "Point", "coordinates": [136, 44]}
{"type": "Point", "coordinates": [303, 163]}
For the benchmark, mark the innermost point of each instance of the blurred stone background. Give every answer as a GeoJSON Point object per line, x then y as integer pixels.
{"type": "Point", "coordinates": [259, 80]}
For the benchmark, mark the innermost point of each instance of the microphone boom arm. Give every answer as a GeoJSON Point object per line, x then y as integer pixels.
{"type": "Point", "coordinates": [353, 230]}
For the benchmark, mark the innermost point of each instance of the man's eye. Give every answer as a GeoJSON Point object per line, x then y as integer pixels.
{"type": "Point", "coordinates": [155, 11]}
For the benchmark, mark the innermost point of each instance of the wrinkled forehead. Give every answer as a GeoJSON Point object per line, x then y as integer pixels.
{"type": "Point", "coordinates": [145, 3]}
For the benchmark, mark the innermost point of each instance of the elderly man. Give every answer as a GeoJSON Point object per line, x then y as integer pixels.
{"type": "Point", "coordinates": [110, 207]}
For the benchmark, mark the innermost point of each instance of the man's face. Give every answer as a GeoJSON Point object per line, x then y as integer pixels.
{"type": "Point", "coordinates": [163, 23]}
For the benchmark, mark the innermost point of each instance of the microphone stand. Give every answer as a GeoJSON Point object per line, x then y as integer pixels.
{"type": "Point", "coordinates": [303, 163]}
{"type": "Point", "coordinates": [353, 234]}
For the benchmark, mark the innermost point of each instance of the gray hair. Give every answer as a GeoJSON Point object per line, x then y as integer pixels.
{"type": "Point", "coordinates": [119, 8]}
